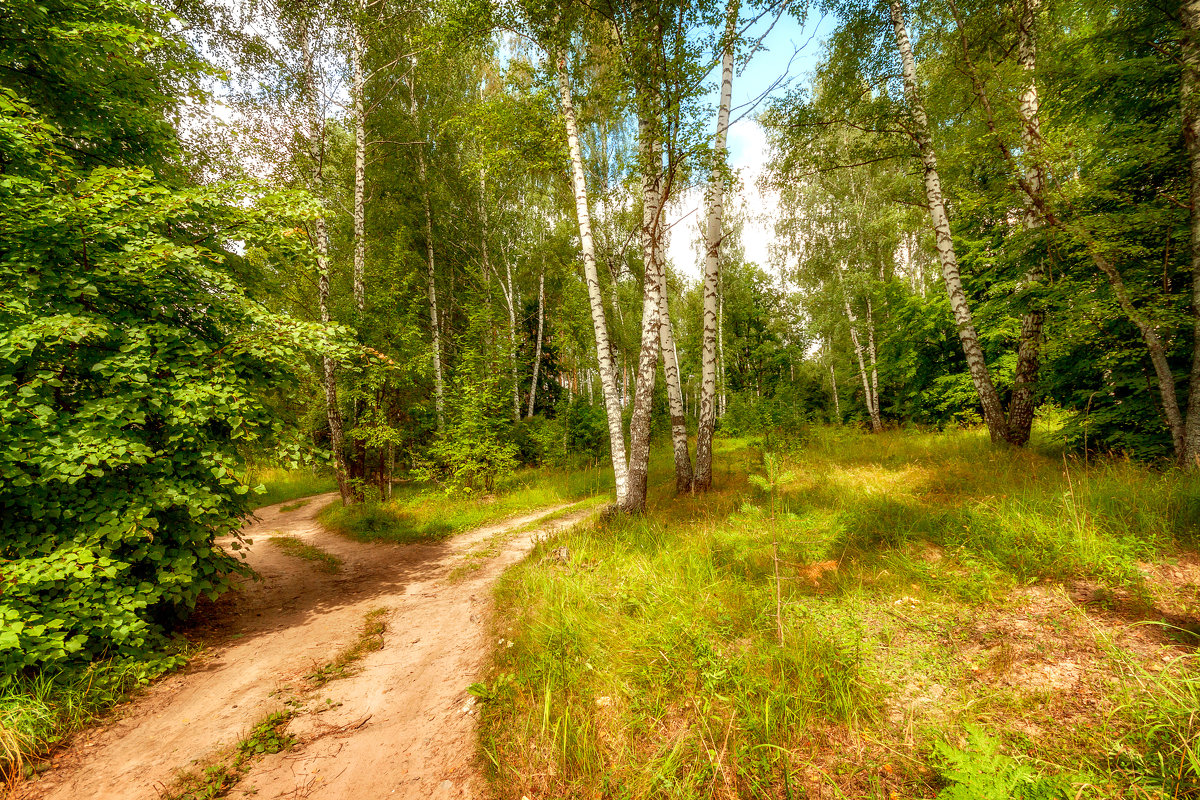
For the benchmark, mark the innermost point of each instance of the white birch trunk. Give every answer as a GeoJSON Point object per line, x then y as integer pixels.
{"type": "Point", "coordinates": [333, 411]}
{"type": "Point", "coordinates": [993, 409]}
{"type": "Point", "coordinates": [439, 391]}
{"type": "Point", "coordinates": [643, 391]}
{"type": "Point", "coordinates": [679, 436]}
{"type": "Point", "coordinates": [608, 379]}
{"type": "Point", "coordinates": [537, 353]}
{"type": "Point", "coordinates": [868, 395]}
{"type": "Point", "coordinates": [1020, 405]}
{"type": "Point", "coordinates": [712, 265]}
{"type": "Point", "coordinates": [876, 419]}
{"type": "Point", "coordinates": [360, 175]}
{"type": "Point", "coordinates": [837, 404]}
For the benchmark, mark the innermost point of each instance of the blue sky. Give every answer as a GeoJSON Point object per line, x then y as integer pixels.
{"type": "Point", "coordinates": [788, 41]}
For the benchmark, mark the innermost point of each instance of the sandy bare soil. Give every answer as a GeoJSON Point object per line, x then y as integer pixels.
{"type": "Point", "coordinates": [400, 727]}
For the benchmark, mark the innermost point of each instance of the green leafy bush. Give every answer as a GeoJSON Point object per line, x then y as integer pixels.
{"type": "Point", "coordinates": [129, 367]}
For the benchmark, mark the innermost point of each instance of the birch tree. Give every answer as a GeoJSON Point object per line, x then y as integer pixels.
{"type": "Point", "coordinates": [712, 263]}
{"type": "Point", "coordinates": [989, 398]}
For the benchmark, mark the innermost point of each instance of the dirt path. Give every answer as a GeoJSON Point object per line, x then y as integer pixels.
{"type": "Point", "coordinates": [401, 727]}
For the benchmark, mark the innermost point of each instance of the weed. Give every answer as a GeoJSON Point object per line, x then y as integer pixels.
{"type": "Point", "coordinates": [866, 602]}
{"type": "Point", "coordinates": [321, 559]}
{"type": "Point", "coordinates": [38, 712]}
{"type": "Point", "coordinates": [370, 639]}
{"type": "Point", "coordinates": [293, 506]}
{"type": "Point", "coordinates": [218, 778]}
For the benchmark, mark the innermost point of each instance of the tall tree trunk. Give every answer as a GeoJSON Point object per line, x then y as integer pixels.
{"type": "Point", "coordinates": [439, 392]}
{"type": "Point", "coordinates": [712, 264]}
{"type": "Point", "coordinates": [1037, 201]}
{"type": "Point", "coordinates": [333, 411]}
{"type": "Point", "coordinates": [679, 436]}
{"type": "Point", "coordinates": [608, 378]}
{"type": "Point", "coordinates": [837, 404]}
{"type": "Point", "coordinates": [876, 419]}
{"type": "Point", "coordinates": [537, 353]}
{"type": "Point", "coordinates": [510, 298]}
{"type": "Point", "coordinates": [1191, 134]}
{"type": "Point", "coordinates": [868, 394]}
{"type": "Point", "coordinates": [989, 398]}
{"type": "Point", "coordinates": [360, 175]}
{"type": "Point", "coordinates": [643, 391]}
{"type": "Point", "coordinates": [1020, 405]}
{"type": "Point", "coordinates": [722, 397]}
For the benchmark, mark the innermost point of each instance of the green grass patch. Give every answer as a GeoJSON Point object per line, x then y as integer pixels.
{"type": "Point", "coordinates": [321, 559]}
{"type": "Point", "coordinates": [280, 485]}
{"type": "Point", "coordinates": [422, 514]}
{"type": "Point", "coordinates": [225, 772]}
{"type": "Point", "coordinates": [883, 633]}
{"type": "Point", "coordinates": [38, 712]}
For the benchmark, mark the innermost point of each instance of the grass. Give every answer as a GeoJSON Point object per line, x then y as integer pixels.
{"type": "Point", "coordinates": [416, 514]}
{"type": "Point", "coordinates": [38, 712]}
{"type": "Point", "coordinates": [225, 772]}
{"type": "Point", "coordinates": [370, 639]}
{"type": "Point", "coordinates": [280, 485]}
{"type": "Point", "coordinates": [926, 630]}
{"type": "Point", "coordinates": [321, 559]}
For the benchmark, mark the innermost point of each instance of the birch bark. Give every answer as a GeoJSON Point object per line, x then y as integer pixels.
{"type": "Point", "coordinates": [360, 174]}
{"type": "Point", "coordinates": [989, 398]}
{"type": "Point", "coordinates": [679, 436]}
{"type": "Point", "coordinates": [608, 379]}
{"type": "Point", "coordinates": [1020, 405]}
{"type": "Point", "coordinates": [537, 353]}
{"type": "Point", "coordinates": [438, 385]}
{"type": "Point", "coordinates": [333, 411]}
{"type": "Point", "coordinates": [712, 264]}
{"type": "Point", "coordinates": [876, 419]}
{"type": "Point", "coordinates": [643, 391]}
{"type": "Point", "coordinates": [868, 394]}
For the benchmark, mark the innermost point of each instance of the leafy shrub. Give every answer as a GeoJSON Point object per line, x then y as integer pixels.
{"type": "Point", "coordinates": [471, 453]}
{"type": "Point", "coordinates": [586, 430]}
{"type": "Point", "coordinates": [129, 367]}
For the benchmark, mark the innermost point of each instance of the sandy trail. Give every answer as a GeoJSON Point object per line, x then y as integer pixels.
{"type": "Point", "coordinates": [401, 727]}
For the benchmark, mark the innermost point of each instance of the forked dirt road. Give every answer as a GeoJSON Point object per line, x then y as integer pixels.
{"type": "Point", "coordinates": [401, 726]}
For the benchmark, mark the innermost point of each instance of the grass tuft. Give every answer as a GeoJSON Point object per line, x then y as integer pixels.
{"type": "Point", "coordinates": [321, 559]}
{"type": "Point", "coordinates": [370, 639]}
{"type": "Point", "coordinates": [225, 772]}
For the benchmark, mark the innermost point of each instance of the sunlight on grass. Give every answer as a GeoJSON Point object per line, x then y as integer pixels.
{"type": "Point", "coordinates": [421, 513]}
{"type": "Point", "coordinates": [281, 484]}
{"type": "Point", "coordinates": [916, 577]}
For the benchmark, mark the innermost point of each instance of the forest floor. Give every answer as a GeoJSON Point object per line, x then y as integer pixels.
{"type": "Point", "coordinates": [343, 672]}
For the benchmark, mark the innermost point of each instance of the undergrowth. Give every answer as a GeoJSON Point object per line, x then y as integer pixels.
{"type": "Point", "coordinates": [280, 485]}
{"type": "Point", "coordinates": [224, 772]}
{"type": "Point", "coordinates": [38, 712]}
{"type": "Point", "coordinates": [855, 622]}
{"type": "Point", "coordinates": [418, 514]}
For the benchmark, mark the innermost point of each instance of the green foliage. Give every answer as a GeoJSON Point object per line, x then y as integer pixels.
{"type": "Point", "coordinates": [981, 772]}
{"type": "Point", "coordinates": [472, 453]}
{"type": "Point", "coordinates": [216, 780]}
{"type": "Point", "coordinates": [130, 375]}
